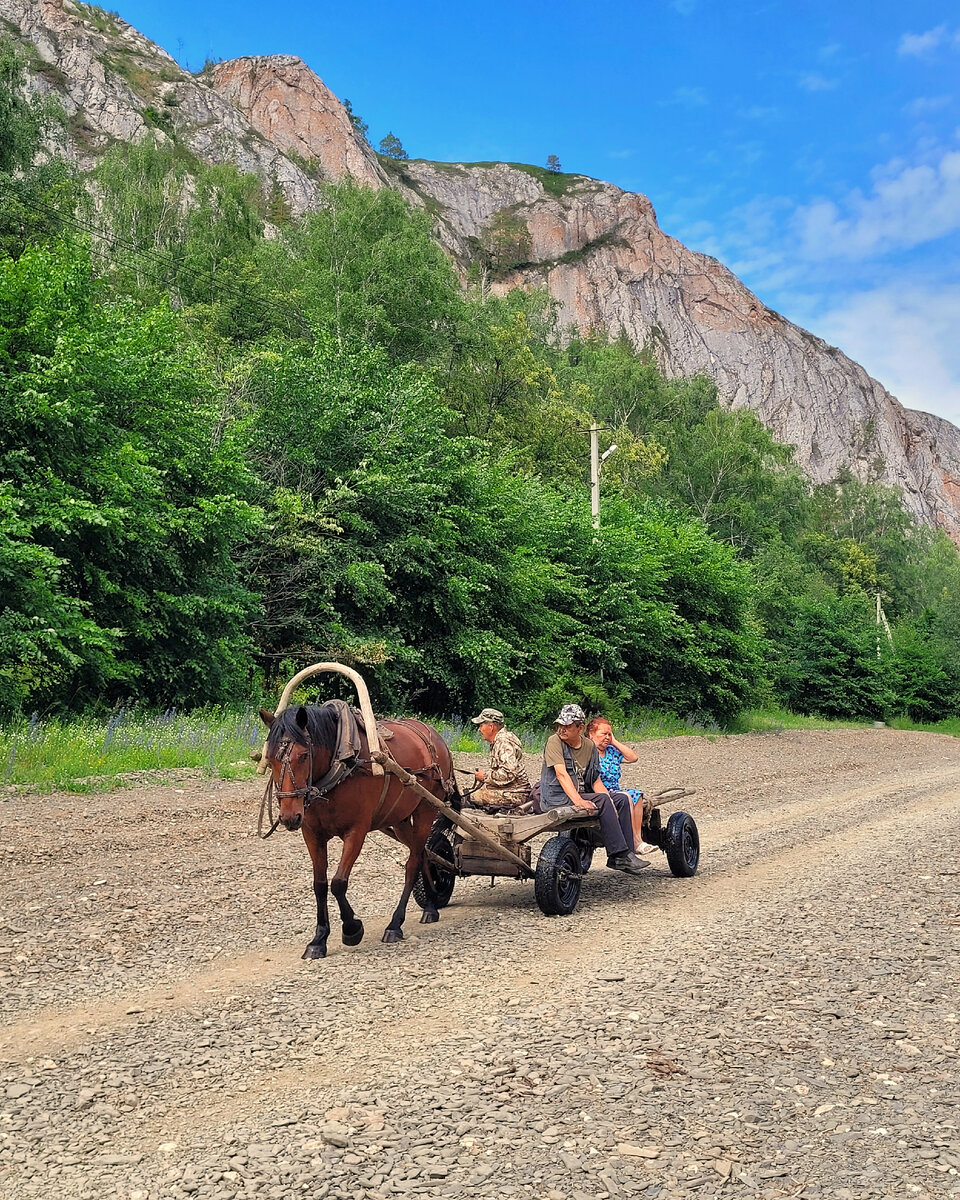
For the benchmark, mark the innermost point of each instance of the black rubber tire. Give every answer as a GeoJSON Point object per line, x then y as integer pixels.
{"type": "Point", "coordinates": [443, 880]}
{"type": "Point", "coordinates": [585, 849]}
{"type": "Point", "coordinates": [556, 884]}
{"type": "Point", "coordinates": [681, 844]}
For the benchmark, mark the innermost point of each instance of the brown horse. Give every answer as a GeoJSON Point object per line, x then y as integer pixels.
{"type": "Point", "coordinates": [302, 748]}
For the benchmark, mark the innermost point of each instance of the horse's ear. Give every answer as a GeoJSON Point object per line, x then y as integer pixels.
{"type": "Point", "coordinates": [267, 717]}
{"type": "Point", "coordinates": [301, 717]}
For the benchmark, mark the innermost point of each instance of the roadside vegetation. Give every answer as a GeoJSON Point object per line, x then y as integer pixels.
{"type": "Point", "coordinates": [224, 456]}
{"type": "Point", "coordinates": [83, 754]}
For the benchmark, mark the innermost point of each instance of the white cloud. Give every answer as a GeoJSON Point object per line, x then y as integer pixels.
{"type": "Point", "coordinates": [760, 112]}
{"type": "Point", "coordinates": [907, 338]}
{"type": "Point", "coordinates": [917, 45]}
{"type": "Point", "coordinates": [683, 7]}
{"type": "Point", "coordinates": [927, 105]}
{"type": "Point", "coordinates": [816, 83]}
{"type": "Point", "coordinates": [688, 97]}
{"type": "Point", "coordinates": [909, 206]}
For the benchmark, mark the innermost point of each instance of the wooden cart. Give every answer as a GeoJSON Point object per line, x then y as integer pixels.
{"type": "Point", "coordinates": [479, 843]}
{"type": "Point", "coordinates": [466, 841]}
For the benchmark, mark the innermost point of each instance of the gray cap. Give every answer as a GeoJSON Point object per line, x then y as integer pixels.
{"type": "Point", "coordinates": [489, 716]}
{"type": "Point", "coordinates": [571, 714]}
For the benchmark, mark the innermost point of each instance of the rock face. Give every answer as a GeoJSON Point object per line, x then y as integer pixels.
{"type": "Point", "coordinates": [284, 101]}
{"type": "Point", "coordinates": [117, 86]}
{"type": "Point", "coordinates": [598, 250]}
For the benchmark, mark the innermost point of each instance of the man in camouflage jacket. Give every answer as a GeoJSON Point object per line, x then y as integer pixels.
{"type": "Point", "coordinates": [504, 785]}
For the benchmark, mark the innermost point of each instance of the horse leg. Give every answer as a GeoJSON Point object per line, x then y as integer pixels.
{"type": "Point", "coordinates": [352, 926]}
{"type": "Point", "coordinates": [414, 837]}
{"type": "Point", "coordinates": [318, 853]}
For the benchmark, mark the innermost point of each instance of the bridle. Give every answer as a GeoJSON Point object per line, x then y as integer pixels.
{"type": "Point", "coordinates": [306, 794]}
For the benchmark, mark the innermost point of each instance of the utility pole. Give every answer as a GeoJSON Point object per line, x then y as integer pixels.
{"type": "Point", "coordinates": [596, 462]}
{"type": "Point", "coordinates": [594, 476]}
{"type": "Point", "coordinates": [882, 616]}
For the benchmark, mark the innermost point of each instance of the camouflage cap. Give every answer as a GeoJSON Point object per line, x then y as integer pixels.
{"type": "Point", "coordinates": [571, 714]}
{"type": "Point", "coordinates": [489, 716]}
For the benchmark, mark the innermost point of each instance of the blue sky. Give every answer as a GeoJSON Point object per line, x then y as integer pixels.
{"type": "Point", "coordinates": [813, 147]}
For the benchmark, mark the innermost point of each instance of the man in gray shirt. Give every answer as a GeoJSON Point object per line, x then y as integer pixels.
{"type": "Point", "coordinates": [571, 775]}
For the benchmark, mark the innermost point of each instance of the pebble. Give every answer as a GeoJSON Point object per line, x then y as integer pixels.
{"type": "Point", "coordinates": [692, 1037]}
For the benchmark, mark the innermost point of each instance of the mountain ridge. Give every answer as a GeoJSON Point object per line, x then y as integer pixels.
{"type": "Point", "coordinates": [598, 250]}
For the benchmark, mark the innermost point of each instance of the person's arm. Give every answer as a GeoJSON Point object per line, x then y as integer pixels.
{"type": "Point", "coordinates": [629, 755]}
{"type": "Point", "coordinates": [563, 778]}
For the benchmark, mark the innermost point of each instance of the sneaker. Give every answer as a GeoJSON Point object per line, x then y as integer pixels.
{"type": "Point", "coordinates": [629, 863]}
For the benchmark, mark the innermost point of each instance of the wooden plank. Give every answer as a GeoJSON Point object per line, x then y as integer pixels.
{"type": "Point", "coordinates": [472, 864]}
{"type": "Point", "coordinates": [523, 828]}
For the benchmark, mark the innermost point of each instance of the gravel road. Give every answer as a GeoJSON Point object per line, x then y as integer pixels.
{"type": "Point", "coordinates": [785, 1024]}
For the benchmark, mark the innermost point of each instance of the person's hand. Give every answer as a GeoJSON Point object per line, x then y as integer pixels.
{"type": "Point", "coordinates": [586, 805]}
{"type": "Point", "coordinates": [479, 776]}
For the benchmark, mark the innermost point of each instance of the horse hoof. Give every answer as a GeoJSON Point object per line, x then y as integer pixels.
{"type": "Point", "coordinates": [429, 918]}
{"type": "Point", "coordinates": [352, 933]}
{"type": "Point", "coordinates": [392, 935]}
{"type": "Point", "coordinates": [314, 950]}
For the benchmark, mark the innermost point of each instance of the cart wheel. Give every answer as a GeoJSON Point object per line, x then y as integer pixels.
{"type": "Point", "coordinates": [443, 879]}
{"type": "Point", "coordinates": [585, 849]}
{"type": "Point", "coordinates": [557, 882]}
{"type": "Point", "coordinates": [681, 844]}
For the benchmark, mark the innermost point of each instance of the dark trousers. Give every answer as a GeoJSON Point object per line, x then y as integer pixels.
{"type": "Point", "coordinates": [616, 822]}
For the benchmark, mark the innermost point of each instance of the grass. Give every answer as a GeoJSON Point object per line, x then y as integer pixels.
{"type": "Point", "coordinates": [84, 755]}
{"type": "Point", "coordinates": [556, 183]}
{"type": "Point", "coordinates": [775, 720]}
{"type": "Point", "coordinates": [644, 726]}
{"type": "Point", "coordinates": [950, 726]}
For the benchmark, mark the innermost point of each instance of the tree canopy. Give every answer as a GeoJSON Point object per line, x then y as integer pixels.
{"type": "Point", "coordinates": [223, 455]}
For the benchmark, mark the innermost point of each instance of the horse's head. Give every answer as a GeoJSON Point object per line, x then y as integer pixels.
{"type": "Point", "coordinates": [295, 760]}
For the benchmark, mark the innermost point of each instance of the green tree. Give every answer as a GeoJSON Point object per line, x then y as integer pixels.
{"type": "Point", "coordinates": [553, 164]}
{"type": "Point", "coordinates": [505, 242]}
{"type": "Point", "coordinates": [392, 147]}
{"type": "Point", "coordinates": [184, 230]}
{"type": "Point", "coordinates": [360, 127]}
{"type": "Point", "coordinates": [364, 267]}
{"type": "Point", "coordinates": [37, 190]}
{"type": "Point", "coordinates": [828, 662]}
{"type": "Point", "coordinates": [129, 497]}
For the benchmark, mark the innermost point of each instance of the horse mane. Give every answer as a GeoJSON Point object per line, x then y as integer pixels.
{"type": "Point", "coordinates": [323, 724]}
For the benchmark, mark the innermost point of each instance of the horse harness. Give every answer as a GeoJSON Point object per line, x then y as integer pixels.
{"type": "Point", "coordinates": [340, 772]}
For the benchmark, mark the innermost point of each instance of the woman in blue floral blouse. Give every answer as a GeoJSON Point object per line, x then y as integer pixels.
{"type": "Point", "coordinates": [613, 755]}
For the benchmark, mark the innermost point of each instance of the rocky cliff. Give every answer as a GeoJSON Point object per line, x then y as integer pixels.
{"type": "Point", "coordinates": [598, 250]}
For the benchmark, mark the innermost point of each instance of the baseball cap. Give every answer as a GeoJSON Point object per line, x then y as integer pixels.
{"type": "Point", "coordinates": [492, 716]}
{"type": "Point", "coordinates": [571, 714]}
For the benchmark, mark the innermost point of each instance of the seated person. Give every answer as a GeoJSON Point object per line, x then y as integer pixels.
{"type": "Point", "coordinates": [571, 775]}
{"type": "Point", "coordinates": [504, 785]}
{"type": "Point", "coordinates": [613, 755]}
